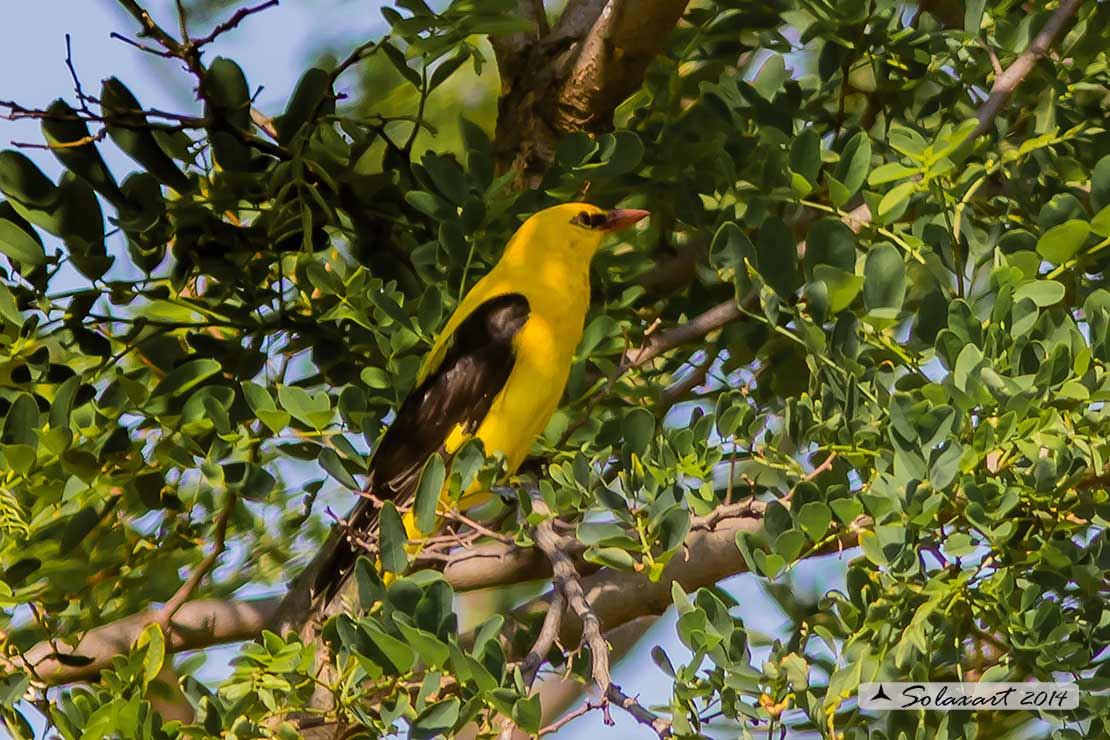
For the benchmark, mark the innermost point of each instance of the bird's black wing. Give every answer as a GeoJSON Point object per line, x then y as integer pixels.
{"type": "Point", "coordinates": [476, 364]}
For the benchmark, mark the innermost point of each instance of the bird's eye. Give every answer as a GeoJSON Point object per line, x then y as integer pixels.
{"type": "Point", "coordinates": [589, 220]}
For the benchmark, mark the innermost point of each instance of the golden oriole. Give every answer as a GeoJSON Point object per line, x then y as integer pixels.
{"type": "Point", "coordinates": [499, 367]}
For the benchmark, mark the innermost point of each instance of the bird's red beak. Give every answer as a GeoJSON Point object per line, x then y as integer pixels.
{"type": "Point", "coordinates": [622, 217]}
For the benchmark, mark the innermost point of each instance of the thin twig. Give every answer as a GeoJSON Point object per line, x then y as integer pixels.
{"type": "Point", "coordinates": [566, 719]}
{"type": "Point", "coordinates": [264, 123]}
{"type": "Point", "coordinates": [142, 47]}
{"type": "Point", "coordinates": [638, 711]}
{"type": "Point", "coordinates": [232, 22]}
{"type": "Point", "coordinates": [545, 640]}
{"type": "Point", "coordinates": [165, 614]}
{"type": "Point", "coordinates": [822, 467]}
{"type": "Point", "coordinates": [81, 97]}
{"type": "Point", "coordinates": [1007, 82]}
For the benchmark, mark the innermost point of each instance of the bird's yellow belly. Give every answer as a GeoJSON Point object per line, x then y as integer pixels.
{"type": "Point", "coordinates": [530, 396]}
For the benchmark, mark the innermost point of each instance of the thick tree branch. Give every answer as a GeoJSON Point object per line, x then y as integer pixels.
{"type": "Point", "coordinates": [709, 555]}
{"type": "Point", "coordinates": [197, 624]}
{"type": "Point", "coordinates": [615, 597]}
{"type": "Point", "coordinates": [574, 77]}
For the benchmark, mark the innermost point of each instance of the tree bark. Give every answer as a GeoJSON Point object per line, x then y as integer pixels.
{"type": "Point", "coordinates": [574, 77]}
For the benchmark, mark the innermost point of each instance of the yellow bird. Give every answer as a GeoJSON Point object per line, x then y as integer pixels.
{"type": "Point", "coordinates": [500, 365]}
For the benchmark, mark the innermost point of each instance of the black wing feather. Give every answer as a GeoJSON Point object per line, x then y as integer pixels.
{"type": "Point", "coordinates": [473, 371]}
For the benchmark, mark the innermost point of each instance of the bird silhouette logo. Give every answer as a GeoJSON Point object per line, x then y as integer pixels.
{"type": "Point", "coordinates": [881, 694]}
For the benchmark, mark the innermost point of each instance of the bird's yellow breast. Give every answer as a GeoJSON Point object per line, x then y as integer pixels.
{"type": "Point", "coordinates": [543, 348]}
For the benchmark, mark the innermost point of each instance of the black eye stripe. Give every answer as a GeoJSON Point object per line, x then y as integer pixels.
{"type": "Point", "coordinates": [589, 220]}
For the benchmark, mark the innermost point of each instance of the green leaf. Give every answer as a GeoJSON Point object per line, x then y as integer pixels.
{"type": "Point", "coordinates": [393, 539]}
{"type": "Point", "coordinates": [830, 242]}
{"type": "Point", "coordinates": [397, 58]}
{"type": "Point", "coordinates": [842, 287]}
{"type": "Point", "coordinates": [428, 491]}
{"type": "Point", "coordinates": [313, 96]}
{"type": "Point", "coordinates": [945, 466]}
{"type": "Point", "coordinates": [638, 428]}
{"type": "Point", "coordinates": [805, 155]}
{"type": "Point", "coordinates": [895, 197]}
{"type": "Point", "coordinates": [1100, 184]}
{"type": "Point", "coordinates": [448, 177]}
{"type": "Point", "coordinates": [186, 377]}
{"type": "Point", "coordinates": [973, 16]}
{"type": "Point", "coordinates": [768, 81]}
{"type": "Point", "coordinates": [135, 136]}
{"type": "Point", "coordinates": [77, 528]}
{"type": "Point", "coordinates": [154, 655]}
{"type": "Point", "coordinates": [1060, 243]}
{"type": "Point", "coordinates": [730, 252]}
{"type": "Point", "coordinates": [890, 172]}
{"type": "Point", "coordinates": [436, 720]}
{"type": "Point", "coordinates": [619, 152]}
{"type": "Point", "coordinates": [1041, 292]}
{"type": "Point", "coordinates": [778, 257]}
{"type": "Point", "coordinates": [814, 518]}
{"type": "Point", "coordinates": [854, 163]}
{"type": "Point", "coordinates": [610, 557]}
{"type": "Point", "coordinates": [526, 714]}
{"type": "Point", "coordinates": [884, 274]}
{"type": "Point", "coordinates": [966, 362]}
{"type": "Point", "coordinates": [397, 652]}
{"type": "Point", "coordinates": [1100, 224]}
{"type": "Point", "coordinates": [673, 529]}
{"type": "Point", "coordinates": [330, 462]}
{"type": "Point", "coordinates": [447, 67]}
{"type": "Point", "coordinates": [431, 650]}
{"type": "Point", "coordinates": [17, 244]}
{"type": "Point", "coordinates": [62, 129]}
{"type": "Point", "coordinates": [429, 204]}
{"type": "Point", "coordinates": [314, 411]}
{"type": "Point", "coordinates": [788, 545]}
{"type": "Point", "coordinates": [21, 422]}
{"type": "Point", "coordinates": [22, 181]}
{"type": "Point", "coordinates": [575, 150]}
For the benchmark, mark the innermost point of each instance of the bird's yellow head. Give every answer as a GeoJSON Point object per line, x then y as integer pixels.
{"type": "Point", "coordinates": [574, 229]}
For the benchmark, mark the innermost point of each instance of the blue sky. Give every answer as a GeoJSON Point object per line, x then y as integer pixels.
{"type": "Point", "coordinates": [273, 48]}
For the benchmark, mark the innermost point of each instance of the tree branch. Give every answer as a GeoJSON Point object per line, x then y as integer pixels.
{"type": "Point", "coordinates": [197, 624]}
{"type": "Point", "coordinates": [574, 77]}
{"type": "Point", "coordinates": [182, 594]}
{"type": "Point", "coordinates": [614, 597]}
{"type": "Point", "coordinates": [1007, 82]}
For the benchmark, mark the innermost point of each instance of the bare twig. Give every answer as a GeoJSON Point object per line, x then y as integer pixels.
{"type": "Point", "coordinates": [640, 713]}
{"type": "Point", "coordinates": [566, 719]}
{"type": "Point", "coordinates": [359, 53]}
{"type": "Point", "coordinates": [566, 580]}
{"type": "Point", "coordinates": [142, 47]}
{"type": "Point", "coordinates": [693, 330]}
{"type": "Point", "coordinates": [545, 640]}
{"type": "Point", "coordinates": [232, 22]}
{"type": "Point", "coordinates": [82, 99]}
{"type": "Point", "coordinates": [530, 666]}
{"type": "Point", "coordinates": [568, 583]}
{"type": "Point", "coordinates": [182, 594]}
{"type": "Point", "coordinates": [825, 465]}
